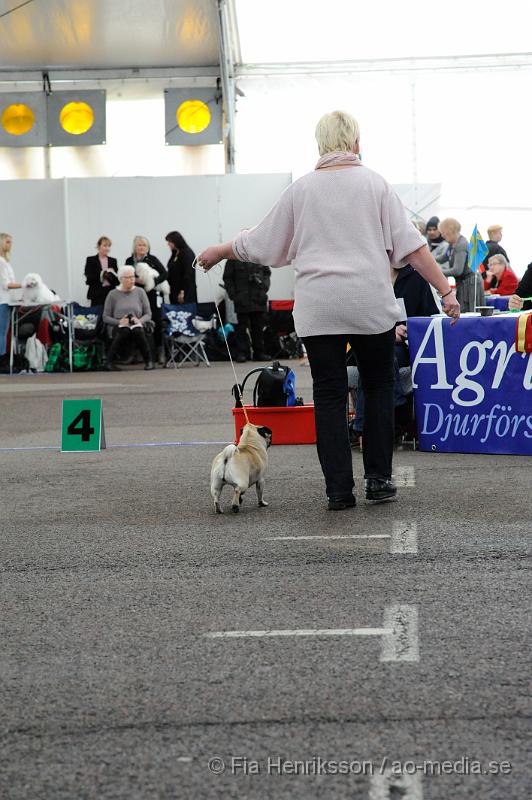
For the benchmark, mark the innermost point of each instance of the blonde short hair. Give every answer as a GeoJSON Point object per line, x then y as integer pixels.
{"type": "Point", "coordinates": [449, 224]}
{"type": "Point", "coordinates": [494, 229]}
{"type": "Point", "coordinates": [140, 239]}
{"type": "Point", "coordinates": [337, 131]}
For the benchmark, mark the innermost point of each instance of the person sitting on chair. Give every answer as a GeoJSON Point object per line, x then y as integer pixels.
{"type": "Point", "coordinates": [126, 311]}
{"type": "Point", "coordinates": [500, 277]}
{"type": "Point", "coordinates": [247, 285]}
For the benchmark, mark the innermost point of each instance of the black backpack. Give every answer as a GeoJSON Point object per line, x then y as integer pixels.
{"type": "Point", "coordinates": [269, 387]}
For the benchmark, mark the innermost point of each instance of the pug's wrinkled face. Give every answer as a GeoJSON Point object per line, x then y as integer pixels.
{"type": "Point", "coordinates": [266, 434]}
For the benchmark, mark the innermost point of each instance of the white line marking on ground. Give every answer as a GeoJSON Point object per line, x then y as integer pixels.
{"type": "Point", "coordinates": [389, 785]}
{"type": "Point", "coordinates": [402, 643]}
{"type": "Point", "coordinates": [404, 537]}
{"type": "Point", "coordinates": [333, 536]}
{"type": "Point", "coordinates": [405, 476]}
{"type": "Point", "coordinates": [301, 632]}
{"type": "Point", "coordinates": [184, 759]}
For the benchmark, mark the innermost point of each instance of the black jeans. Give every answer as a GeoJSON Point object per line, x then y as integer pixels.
{"type": "Point", "coordinates": [125, 338]}
{"type": "Point", "coordinates": [327, 358]}
{"type": "Point", "coordinates": [254, 321]}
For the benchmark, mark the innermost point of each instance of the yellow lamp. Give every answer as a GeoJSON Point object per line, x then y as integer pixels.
{"type": "Point", "coordinates": [17, 119]}
{"type": "Point", "coordinates": [76, 118]}
{"type": "Point", "coordinates": [193, 116]}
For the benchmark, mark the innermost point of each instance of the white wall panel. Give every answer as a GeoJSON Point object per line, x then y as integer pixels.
{"type": "Point", "coordinates": [33, 213]}
{"type": "Point", "coordinates": [55, 224]}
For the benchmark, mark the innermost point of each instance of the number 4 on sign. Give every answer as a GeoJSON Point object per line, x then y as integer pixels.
{"type": "Point", "coordinates": [82, 428]}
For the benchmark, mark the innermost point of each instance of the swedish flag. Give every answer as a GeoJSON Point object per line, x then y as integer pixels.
{"type": "Point", "coordinates": [478, 250]}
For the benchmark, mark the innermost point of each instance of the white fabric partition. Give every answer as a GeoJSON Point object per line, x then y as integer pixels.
{"type": "Point", "coordinates": [55, 223]}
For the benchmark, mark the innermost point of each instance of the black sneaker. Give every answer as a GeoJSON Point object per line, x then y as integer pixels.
{"type": "Point", "coordinates": [339, 503]}
{"type": "Point", "coordinates": [380, 489]}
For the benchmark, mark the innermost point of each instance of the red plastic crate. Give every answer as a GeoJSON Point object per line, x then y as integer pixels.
{"type": "Point", "coordinates": [289, 424]}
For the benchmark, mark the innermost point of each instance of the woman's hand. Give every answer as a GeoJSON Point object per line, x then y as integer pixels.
{"type": "Point", "coordinates": [210, 257]}
{"type": "Point", "coordinates": [451, 307]}
{"type": "Point", "coordinates": [181, 296]}
{"type": "Point", "coordinates": [400, 333]}
{"type": "Point", "coordinates": [515, 303]}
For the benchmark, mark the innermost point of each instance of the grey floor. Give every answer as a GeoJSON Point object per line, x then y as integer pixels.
{"type": "Point", "coordinates": [114, 569]}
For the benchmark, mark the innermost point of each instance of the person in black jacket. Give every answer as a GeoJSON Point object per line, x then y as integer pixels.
{"type": "Point", "coordinates": [101, 272]}
{"type": "Point", "coordinates": [141, 252]}
{"type": "Point", "coordinates": [247, 285]}
{"type": "Point", "coordinates": [181, 273]}
{"type": "Point", "coordinates": [524, 289]}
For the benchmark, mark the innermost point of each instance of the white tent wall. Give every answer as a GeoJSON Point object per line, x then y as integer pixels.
{"type": "Point", "coordinates": [468, 130]}
{"type": "Point", "coordinates": [55, 224]}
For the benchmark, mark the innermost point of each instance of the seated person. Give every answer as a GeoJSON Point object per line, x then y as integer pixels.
{"type": "Point", "coordinates": [419, 302]}
{"type": "Point", "coordinates": [126, 311]}
{"type": "Point", "coordinates": [516, 302]}
{"type": "Point", "coordinates": [500, 278]}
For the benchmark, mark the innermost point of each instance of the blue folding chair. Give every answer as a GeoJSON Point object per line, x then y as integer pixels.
{"type": "Point", "coordinates": [182, 341]}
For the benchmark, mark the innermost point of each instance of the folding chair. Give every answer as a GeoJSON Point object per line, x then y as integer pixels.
{"type": "Point", "coordinates": [182, 341]}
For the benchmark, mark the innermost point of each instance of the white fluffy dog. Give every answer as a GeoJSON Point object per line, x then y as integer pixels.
{"type": "Point", "coordinates": [148, 275]}
{"type": "Point", "coordinates": [36, 292]}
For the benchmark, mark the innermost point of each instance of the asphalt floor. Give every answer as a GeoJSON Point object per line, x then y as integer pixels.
{"type": "Point", "coordinates": [409, 677]}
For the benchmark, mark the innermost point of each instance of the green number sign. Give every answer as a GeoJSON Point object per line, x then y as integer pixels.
{"type": "Point", "coordinates": [82, 427]}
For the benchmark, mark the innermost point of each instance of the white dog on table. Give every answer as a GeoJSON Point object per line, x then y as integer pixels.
{"type": "Point", "coordinates": [148, 275]}
{"type": "Point", "coordinates": [36, 292]}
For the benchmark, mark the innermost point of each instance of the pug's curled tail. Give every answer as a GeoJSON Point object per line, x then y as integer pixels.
{"type": "Point", "coordinates": [228, 453]}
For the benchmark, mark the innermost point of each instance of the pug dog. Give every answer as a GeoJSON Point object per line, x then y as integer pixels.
{"type": "Point", "coordinates": [241, 466]}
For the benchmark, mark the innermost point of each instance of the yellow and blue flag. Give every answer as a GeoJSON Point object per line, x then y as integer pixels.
{"type": "Point", "coordinates": [478, 250]}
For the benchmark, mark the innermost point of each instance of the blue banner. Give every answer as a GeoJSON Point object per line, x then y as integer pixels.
{"type": "Point", "coordinates": [472, 390]}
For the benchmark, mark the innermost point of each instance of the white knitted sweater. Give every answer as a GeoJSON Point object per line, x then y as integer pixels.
{"type": "Point", "coordinates": [341, 229]}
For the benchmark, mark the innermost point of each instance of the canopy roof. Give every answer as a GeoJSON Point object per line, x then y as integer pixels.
{"type": "Point", "coordinates": [85, 34]}
{"type": "Point", "coordinates": [142, 34]}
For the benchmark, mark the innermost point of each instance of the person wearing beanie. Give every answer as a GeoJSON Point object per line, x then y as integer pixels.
{"type": "Point", "coordinates": [436, 242]}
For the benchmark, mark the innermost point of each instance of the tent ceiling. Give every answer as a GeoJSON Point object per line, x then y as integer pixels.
{"type": "Point", "coordinates": [108, 34]}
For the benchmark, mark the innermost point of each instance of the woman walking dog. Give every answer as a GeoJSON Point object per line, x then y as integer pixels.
{"type": "Point", "coordinates": [342, 226]}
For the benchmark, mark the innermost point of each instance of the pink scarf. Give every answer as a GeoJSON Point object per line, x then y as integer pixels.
{"type": "Point", "coordinates": [338, 159]}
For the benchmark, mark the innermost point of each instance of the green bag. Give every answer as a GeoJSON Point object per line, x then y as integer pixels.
{"type": "Point", "coordinates": [86, 357]}
{"type": "Point", "coordinates": [57, 359]}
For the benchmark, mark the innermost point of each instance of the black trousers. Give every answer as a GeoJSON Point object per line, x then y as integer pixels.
{"type": "Point", "coordinates": [254, 321]}
{"type": "Point", "coordinates": [375, 358]}
{"type": "Point", "coordinates": [156, 317]}
{"type": "Point", "coordinates": [124, 338]}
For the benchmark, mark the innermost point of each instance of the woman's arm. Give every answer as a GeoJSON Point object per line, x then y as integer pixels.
{"type": "Point", "coordinates": [108, 311]}
{"type": "Point", "coordinates": [156, 264]}
{"type": "Point", "coordinates": [268, 242]}
{"type": "Point", "coordinates": [215, 253]}
{"type": "Point", "coordinates": [423, 262]}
